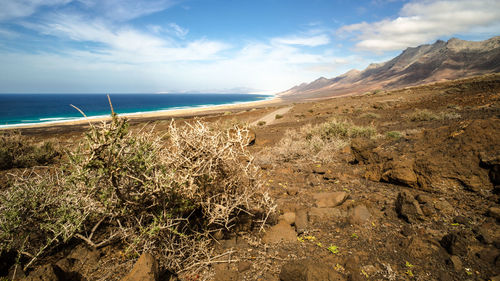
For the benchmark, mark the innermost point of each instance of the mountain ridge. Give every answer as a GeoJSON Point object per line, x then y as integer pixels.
{"type": "Point", "coordinates": [426, 63]}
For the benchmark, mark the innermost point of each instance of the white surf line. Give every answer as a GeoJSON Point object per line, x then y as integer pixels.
{"type": "Point", "coordinates": [271, 117]}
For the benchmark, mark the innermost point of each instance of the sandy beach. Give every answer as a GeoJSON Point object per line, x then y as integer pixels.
{"type": "Point", "coordinates": [159, 115]}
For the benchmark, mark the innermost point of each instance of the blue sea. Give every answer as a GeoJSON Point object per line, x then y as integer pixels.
{"type": "Point", "coordinates": [28, 109]}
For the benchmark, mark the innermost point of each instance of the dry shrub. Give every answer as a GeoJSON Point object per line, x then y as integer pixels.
{"type": "Point", "coordinates": [162, 194]}
{"type": "Point", "coordinates": [318, 142]}
{"type": "Point", "coordinates": [427, 115]}
{"type": "Point", "coordinates": [17, 151]}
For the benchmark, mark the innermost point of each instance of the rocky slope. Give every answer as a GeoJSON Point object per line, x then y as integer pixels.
{"type": "Point", "coordinates": [423, 64]}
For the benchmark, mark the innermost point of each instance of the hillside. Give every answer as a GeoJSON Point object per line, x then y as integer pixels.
{"type": "Point", "coordinates": [414, 66]}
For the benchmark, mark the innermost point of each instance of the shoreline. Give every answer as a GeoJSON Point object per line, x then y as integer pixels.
{"type": "Point", "coordinates": [160, 114]}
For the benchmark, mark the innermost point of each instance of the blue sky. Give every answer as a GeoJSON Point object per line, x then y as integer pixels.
{"type": "Point", "coordinates": [125, 46]}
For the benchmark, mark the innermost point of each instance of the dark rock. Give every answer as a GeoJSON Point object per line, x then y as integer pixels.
{"type": "Point", "coordinates": [454, 244]}
{"type": "Point", "coordinates": [359, 215]}
{"type": "Point", "coordinates": [48, 272]}
{"type": "Point", "coordinates": [489, 255]}
{"type": "Point", "coordinates": [330, 199]}
{"type": "Point", "coordinates": [301, 221]}
{"type": "Point", "coordinates": [308, 270]}
{"type": "Point", "coordinates": [408, 208]}
{"type": "Point", "coordinates": [145, 269]}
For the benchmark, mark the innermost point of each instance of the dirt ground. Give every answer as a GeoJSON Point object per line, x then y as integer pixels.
{"type": "Point", "coordinates": [418, 202]}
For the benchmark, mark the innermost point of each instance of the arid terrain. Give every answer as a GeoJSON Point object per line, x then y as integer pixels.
{"type": "Point", "coordinates": [386, 185]}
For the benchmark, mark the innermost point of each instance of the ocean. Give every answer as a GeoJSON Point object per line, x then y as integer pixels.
{"type": "Point", "coordinates": [29, 109]}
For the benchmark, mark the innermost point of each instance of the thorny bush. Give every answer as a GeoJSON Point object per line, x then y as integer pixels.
{"type": "Point", "coordinates": [164, 194]}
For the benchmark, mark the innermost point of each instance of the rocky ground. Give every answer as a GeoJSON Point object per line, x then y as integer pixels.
{"type": "Point", "coordinates": [418, 201]}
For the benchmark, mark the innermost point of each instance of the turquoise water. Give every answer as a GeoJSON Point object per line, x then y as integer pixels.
{"type": "Point", "coordinates": [28, 109]}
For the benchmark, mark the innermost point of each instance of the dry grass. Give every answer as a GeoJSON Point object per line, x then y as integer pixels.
{"type": "Point", "coordinates": [319, 142]}
{"type": "Point", "coordinates": [427, 115]}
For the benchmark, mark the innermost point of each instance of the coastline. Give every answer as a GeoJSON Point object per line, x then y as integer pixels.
{"type": "Point", "coordinates": [161, 114]}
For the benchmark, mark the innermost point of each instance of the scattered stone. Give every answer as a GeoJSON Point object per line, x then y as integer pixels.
{"type": "Point", "coordinates": [308, 270]}
{"type": "Point", "coordinates": [495, 278]}
{"type": "Point", "coordinates": [406, 230]}
{"type": "Point", "coordinates": [424, 199]}
{"type": "Point", "coordinates": [456, 263]}
{"type": "Point", "coordinates": [289, 217]}
{"type": "Point", "coordinates": [282, 232]}
{"type": "Point", "coordinates": [444, 207]}
{"type": "Point", "coordinates": [301, 221]}
{"type": "Point", "coordinates": [145, 269]}
{"type": "Point", "coordinates": [48, 272]}
{"type": "Point", "coordinates": [494, 212]}
{"type": "Point", "coordinates": [292, 191]}
{"type": "Point", "coordinates": [319, 170]}
{"type": "Point", "coordinates": [408, 208]}
{"type": "Point", "coordinates": [330, 199]}
{"type": "Point", "coordinates": [454, 244]}
{"type": "Point", "coordinates": [400, 172]}
{"type": "Point", "coordinates": [461, 220]}
{"type": "Point", "coordinates": [244, 266]}
{"type": "Point", "coordinates": [322, 214]}
{"type": "Point", "coordinates": [421, 249]}
{"type": "Point", "coordinates": [224, 273]}
{"type": "Point", "coordinates": [490, 255]}
{"type": "Point", "coordinates": [359, 214]}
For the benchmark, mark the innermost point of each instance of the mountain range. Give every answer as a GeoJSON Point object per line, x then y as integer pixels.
{"type": "Point", "coordinates": [418, 65]}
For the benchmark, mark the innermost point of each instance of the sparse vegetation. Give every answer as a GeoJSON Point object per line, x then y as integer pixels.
{"type": "Point", "coordinates": [278, 116]}
{"type": "Point", "coordinates": [370, 115]}
{"type": "Point", "coordinates": [427, 115]}
{"type": "Point", "coordinates": [261, 123]}
{"type": "Point", "coordinates": [318, 141]}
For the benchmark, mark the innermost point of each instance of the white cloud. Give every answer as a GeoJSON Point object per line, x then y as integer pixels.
{"type": "Point", "coordinates": [122, 10]}
{"type": "Point", "coordinates": [11, 9]}
{"type": "Point", "coordinates": [310, 41]}
{"type": "Point", "coordinates": [423, 21]}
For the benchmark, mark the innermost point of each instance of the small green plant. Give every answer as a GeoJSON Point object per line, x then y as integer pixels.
{"type": "Point", "coordinates": [278, 116]}
{"type": "Point", "coordinates": [333, 249]}
{"type": "Point", "coordinates": [261, 123]}
{"type": "Point", "coordinates": [393, 135]}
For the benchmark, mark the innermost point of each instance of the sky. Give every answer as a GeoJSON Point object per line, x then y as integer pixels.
{"type": "Point", "coordinates": [255, 46]}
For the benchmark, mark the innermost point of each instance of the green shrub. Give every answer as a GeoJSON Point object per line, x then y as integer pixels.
{"type": "Point", "coordinates": [261, 123]}
{"type": "Point", "coordinates": [393, 135]}
{"type": "Point", "coordinates": [278, 116]}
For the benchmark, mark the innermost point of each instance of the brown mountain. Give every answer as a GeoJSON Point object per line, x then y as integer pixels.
{"type": "Point", "coordinates": [423, 64]}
